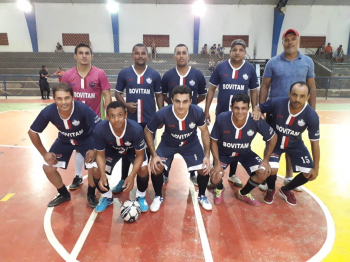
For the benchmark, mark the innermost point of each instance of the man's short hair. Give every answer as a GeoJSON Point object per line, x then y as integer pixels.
{"type": "Point", "coordinates": [241, 97]}
{"type": "Point", "coordinates": [42, 67]}
{"type": "Point", "coordinates": [180, 45]}
{"type": "Point", "coordinates": [62, 87]}
{"type": "Point", "coordinates": [115, 104]}
{"type": "Point", "coordinates": [181, 89]}
{"type": "Point", "coordinates": [140, 45]}
{"type": "Point", "coordinates": [238, 42]}
{"type": "Point", "coordinates": [82, 45]}
{"type": "Point", "coordinates": [301, 83]}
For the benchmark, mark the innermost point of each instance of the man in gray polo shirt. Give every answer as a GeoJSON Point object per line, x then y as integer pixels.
{"type": "Point", "coordinates": [280, 73]}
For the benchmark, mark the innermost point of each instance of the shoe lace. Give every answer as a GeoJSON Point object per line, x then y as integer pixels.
{"type": "Point", "coordinates": [218, 192]}
{"type": "Point", "coordinates": [204, 199]}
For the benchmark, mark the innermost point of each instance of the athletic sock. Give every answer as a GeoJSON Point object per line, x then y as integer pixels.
{"type": "Point", "coordinates": [125, 168]}
{"type": "Point", "coordinates": [142, 183]}
{"type": "Point", "coordinates": [220, 186]}
{"type": "Point", "coordinates": [299, 180]}
{"type": "Point", "coordinates": [166, 173]}
{"type": "Point", "coordinates": [248, 187]}
{"type": "Point", "coordinates": [78, 163]}
{"type": "Point", "coordinates": [91, 190]}
{"type": "Point", "coordinates": [63, 191]}
{"type": "Point", "coordinates": [271, 181]}
{"type": "Point", "coordinates": [157, 182]}
{"type": "Point", "coordinates": [202, 184]}
{"type": "Point", "coordinates": [233, 168]}
{"type": "Point", "coordinates": [108, 194]}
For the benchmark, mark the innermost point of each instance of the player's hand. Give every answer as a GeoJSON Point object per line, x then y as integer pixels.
{"type": "Point", "coordinates": [256, 114]}
{"type": "Point", "coordinates": [90, 156]}
{"type": "Point", "coordinates": [207, 118]}
{"type": "Point", "coordinates": [265, 167]}
{"type": "Point", "coordinates": [206, 165]}
{"type": "Point", "coordinates": [154, 165]}
{"type": "Point", "coordinates": [216, 174]}
{"type": "Point", "coordinates": [103, 183]}
{"type": "Point", "coordinates": [50, 159]}
{"type": "Point", "coordinates": [128, 183]}
{"type": "Point", "coordinates": [131, 107]}
{"type": "Point", "coordinates": [312, 175]}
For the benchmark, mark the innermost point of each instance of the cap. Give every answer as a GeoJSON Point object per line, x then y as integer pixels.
{"type": "Point", "coordinates": [238, 42]}
{"type": "Point", "coordinates": [290, 31]}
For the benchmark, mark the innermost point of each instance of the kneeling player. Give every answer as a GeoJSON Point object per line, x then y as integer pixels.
{"type": "Point", "coordinates": [116, 138]}
{"type": "Point", "coordinates": [291, 117]}
{"type": "Point", "coordinates": [180, 136]}
{"type": "Point", "coordinates": [232, 134]}
{"type": "Point", "coordinates": [75, 122]}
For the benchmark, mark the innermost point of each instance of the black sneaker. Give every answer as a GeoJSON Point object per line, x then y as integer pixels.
{"type": "Point", "coordinates": [77, 181]}
{"type": "Point", "coordinates": [93, 201]}
{"type": "Point", "coordinates": [59, 199]}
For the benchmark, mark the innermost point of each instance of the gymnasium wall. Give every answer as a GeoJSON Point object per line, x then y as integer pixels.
{"type": "Point", "coordinates": [175, 20]}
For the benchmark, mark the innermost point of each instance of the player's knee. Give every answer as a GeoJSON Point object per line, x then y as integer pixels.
{"type": "Point", "coordinates": [274, 171]}
{"type": "Point", "coordinates": [49, 170]}
{"type": "Point", "coordinates": [95, 173]}
{"type": "Point", "coordinates": [261, 175]}
{"type": "Point", "coordinates": [306, 175]}
{"type": "Point", "coordinates": [143, 172]}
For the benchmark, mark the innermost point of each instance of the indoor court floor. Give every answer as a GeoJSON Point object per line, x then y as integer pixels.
{"type": "Point", "coordinates": [316, 229]}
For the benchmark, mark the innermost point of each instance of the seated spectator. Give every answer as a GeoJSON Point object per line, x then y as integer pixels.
{"type": "Point", "coordinates": [204, 49]}
{"type": "Point", "coordinates": [59, 48]}
{"type": "Point", "coordinates": [59, 72]}
{"type": "Point", "coordinates": [153, 50]}
{"type": "Point", "coordinates": [213, 50]}
{"type": "Point", "coordinates": [220, 52]}
{"type": "Point", "coordinates": [328, 51]}
{"type": "Point", "coordinates": [211, 65]}
{"type": "Point", "coordinates": [339, 55]}
{"type": "Point", "coordinates": [320, 50]}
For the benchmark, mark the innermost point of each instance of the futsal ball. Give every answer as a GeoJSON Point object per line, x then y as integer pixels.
{"type": "Point", "coordinates": [130, 211]}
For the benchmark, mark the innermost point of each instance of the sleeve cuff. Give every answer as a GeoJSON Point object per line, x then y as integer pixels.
{"type": "Point", "coordinates": [149, 130]}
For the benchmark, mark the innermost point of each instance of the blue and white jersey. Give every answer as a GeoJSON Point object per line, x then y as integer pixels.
{"type": "Point", "coordinates": [234, 141]}
{"type": "Point", "coordinates": [290, 127]}
{"type": "Point", "coordinates": [76, 127]}
{"type": "Point", "coordinates": [131, 139]}
{"type": "Point", "coordinates": [178, 132]}
{"type": "Point", "coordinates": [232, 81]}
{"type": "Point", "coordinates": [194, 79]}
{"type": "Point", "coordinates": [140, 89]}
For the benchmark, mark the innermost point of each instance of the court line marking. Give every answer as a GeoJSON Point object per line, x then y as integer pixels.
{"type": "Point", "coordinates": [328, 244]}
{"type": "Point", "coordinates": [203, 235]}
{"type": "Point", "coordinates": [7, 197]}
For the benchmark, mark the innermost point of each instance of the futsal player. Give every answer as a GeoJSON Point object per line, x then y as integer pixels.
{"type": "Point", "coordinates": [232, 77]}
{"type": "Point", "coordinates": [183, 74]}
{"type": "Point", "coordinates": [89, 83]}
{"type": "Point", "coordinates": [115, 138]}
{"type": "Point", "coordinates": [75, 122]}
{"type": "Point", "coordinates": [180, 120]}
{"type": "Point", "coordinates": [142, 85]}
{"type": "Point", "coordinates": [231, 137]}
{"type": "Point", "coordinates": [291, 117]}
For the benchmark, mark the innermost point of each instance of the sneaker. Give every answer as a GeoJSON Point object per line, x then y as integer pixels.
{"type": "Point", "coordinates": [194, 180]}
{"type": "Point", "coordinates": [219, 195]}
{"type": "Point", "coordinates": [248, 198]}
{"type": "Point", "coordinates": [157, 201]}
{"type": "Point", "coordinates": [77, 181]}
{"type": "Point", "coordinates": [119, 187]}
{"type": "Point", "coordinates": [286, 181]}
{"type": "Point", "coordinates": [263, 187]}
{"type": "Point", "coordinates": [104, 203]}
{"type": "Point", "coordinates": [93, 201]}
{"type": "Point", "coordinates": [235, 180]}
{"type": "Point", "coordinates": [203, 200]}
{"type": "Point", "coordinates": [165, 179]}
{"type": "Point", "coordinates": [210, 185]}
{"type": "Point", "coordinates": [270, 195]}
{"type": "Point", "coordinates": [288, 196]}
{"type": "Point", "coordinates": [59, 199]}
{"type": "Point", "coordinates": [143, 203]}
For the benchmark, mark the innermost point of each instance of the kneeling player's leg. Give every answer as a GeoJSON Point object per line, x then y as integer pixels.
{"type": "Point", "coordinates": [274, 163]}
{"type": "Point", "coordinates": [142, 184]}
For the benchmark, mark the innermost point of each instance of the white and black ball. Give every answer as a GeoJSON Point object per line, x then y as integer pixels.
{"type": "Point", "coordinates": [130, 211]}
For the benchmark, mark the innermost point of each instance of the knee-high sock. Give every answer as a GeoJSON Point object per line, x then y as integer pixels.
{"type": "Point", "coordinates": [299, 180]}
{"type": "Point", "coordinates": [202, 184]}
{"type": "Point", "coordinates": [78, 163]}
{"type": "Point", "coordinates": [125, 167]}
{"type": "Point", "coordinates": [157, 182]}
{"type": "Point", "coordinates": [233, 168]}
{"type": "Point", "coordinates": [103, 193]}
{"type": "Point", "coordinates": [142, 184]}
{"type": "Point", "coordinates": [271, 181]}
{"type": "Point", "coordinates": [249, 187]}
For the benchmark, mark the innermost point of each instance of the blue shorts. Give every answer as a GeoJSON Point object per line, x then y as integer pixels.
{"type": "Point", "coordinates": [192, 153]}
{"type": "Point", "coordinates": [299, 156]}
{"type": "Point", "coordinates": [63, 151]}
{"type": "Point", "coordinates": [113, 156]}
{"type": "Point", "coordinates": [249, 161]}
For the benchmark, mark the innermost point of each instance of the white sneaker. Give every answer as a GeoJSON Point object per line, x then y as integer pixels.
{"type": "Point", "coordinates": [157, 201]}
{"type": "Point", "coordinates": [287, 180]}
{"type": "Point", "coordinates": [263, 187]}
{"type": "Point", "coordinates": [203, 200]}
{"type": "Point", "coordinates": [235, 180]}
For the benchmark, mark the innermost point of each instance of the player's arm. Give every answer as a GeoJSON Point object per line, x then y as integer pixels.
{"type": "Point", "coordinates": [316, 153]}
{"type": "Point", "coordinates": [312, 100]}
{"type": "Point", "coordinates": [155, 160]}
{"type": "Point", "coordinates": [208, 101]}
{"type": "Point", "coordinates": [160, 100]}
{"type": "Point", "coordinates": [107, 97]}
{"type": "Point", "coordinates": [200, 98]}
{"type": "Point", "coordinates": [129, 181]}
{"type": "Point", "coordinates": [270, 145]}
{"type": "Point", "coordinates": [131, 107]}
{"type": "Point", "coordinates": [101, 164]}
{"type": "Point", "coordinates": [201, 87]}
{"type": "Point", "coordinates": [206, 145]}
{"type": "Point", "coordinates": [165, 98]}
{"type": "Point", "coordinates": [216, 172]}
{"type": "Point", "coordinates": [264, 90]}
{"type": "Point", "coordinates": [254, 97]}
{"type": "Point", "coordinates": [50, 158]}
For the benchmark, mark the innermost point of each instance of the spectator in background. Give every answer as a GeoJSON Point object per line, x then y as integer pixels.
{"type": "Point", "coordinates": [43, 84]}
{"type": "Point", "coordinates": [320, 50]}
{"type": "Point", "coordinates": [59, 73]}
{"type": "Point", "coordinates": [213, 50]}
{"type": "Point", "coordinates": [204, 49]}
{"type": "Point", "coordinates": [59, 48]}
{"type": "Point", "coordinates": [328, 51]}
{"type": "Point", "coordinates": [339, 54]}
{"type": "Point", "coordinates": [153, 50]}
{"type": "Point", "coordinates": [211, 65]}
{"type": "Point", "coordinates": [220, 52]}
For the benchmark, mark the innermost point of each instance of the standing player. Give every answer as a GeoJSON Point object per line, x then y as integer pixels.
{"type": "Point", "coordinates": [88, 83]}
{"type": "Point", "coordinates": [183, 74]}
{"type": "Point", "coordinates": [75, 122]}
{"type": "Point", "coordinates": [282, 71]}
{"type": "Point", "coordinates": [117, 138]}
{"type": "Point", "coordinates": [291, 117]}
{"type": "Point", "coordinates": [180, 136]}
{"type": "Point", "coordinates": [231, 137]}
{"type": "Point", "coordinates": [232, 77]}
{"type": "Point", "coordinates": [141, 83]}
{"type": "Point", "coordinates": [43, 84]}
